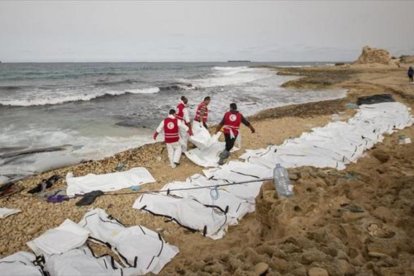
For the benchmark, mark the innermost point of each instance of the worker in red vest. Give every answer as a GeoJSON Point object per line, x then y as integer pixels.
{"type": "Point", "coordinates": [171, 127]}
{"type": "Point", "coordinates": [202, 112]}
{"type": "Point", "coordinates": [184, 116]}
{"type": "Point", "coordinates": [231, 124]}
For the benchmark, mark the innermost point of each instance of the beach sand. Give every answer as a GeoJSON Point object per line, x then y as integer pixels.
{"type": "Point", "coordinates": [357, 221]}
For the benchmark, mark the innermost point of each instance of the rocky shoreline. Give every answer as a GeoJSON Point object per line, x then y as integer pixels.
{"type": "Point", "coordinates": [352, 222]}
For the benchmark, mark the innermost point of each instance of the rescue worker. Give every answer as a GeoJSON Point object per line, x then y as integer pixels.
{"type": "Point", "coordinates": [171, 127]}
{"type": "Point", "coordinates": [410, 73]}
{"type": "Point", "coordinates": [231, 124]}
{"type": "Point", "coordinates": [184, 116]}
{"type": "Point", "coordinates": [202, 112]}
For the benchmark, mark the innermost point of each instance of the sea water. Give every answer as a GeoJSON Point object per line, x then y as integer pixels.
{"type": "Point", "coordinates": [93, 110]}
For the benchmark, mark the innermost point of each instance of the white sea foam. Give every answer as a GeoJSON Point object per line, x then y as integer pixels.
{"type": "Point", "coordinates": [60, 97]}
{"type": "Point", "coordinates": [225, 76]}
{"type": "Point", "coordinates": [82, 148]}
{"type": "Point", "coordinates": [150, 90]}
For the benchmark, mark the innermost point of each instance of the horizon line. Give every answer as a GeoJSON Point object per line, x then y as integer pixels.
{"type": "Point", "coordinates": [216, 61]}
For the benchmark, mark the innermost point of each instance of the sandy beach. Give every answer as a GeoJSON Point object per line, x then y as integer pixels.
{"type": "Point", "coordinates": [358, 221]}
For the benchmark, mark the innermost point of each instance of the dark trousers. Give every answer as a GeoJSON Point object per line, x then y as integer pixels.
{"type": "Point", "coordinates": [229, 141]}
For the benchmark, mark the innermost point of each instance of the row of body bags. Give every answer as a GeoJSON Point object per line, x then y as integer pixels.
{"type": "Point", "coordinates": [212, 209]}
{"type": "Point", "coordinates": [64, 251]}
{"type": "Point", "coordinates": [338, 143]}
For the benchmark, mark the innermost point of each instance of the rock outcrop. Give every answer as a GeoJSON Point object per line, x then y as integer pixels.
{"type": "Point", "coordinates": [375, 56]}
{"type": "Point", "coordinates": [407, 59]}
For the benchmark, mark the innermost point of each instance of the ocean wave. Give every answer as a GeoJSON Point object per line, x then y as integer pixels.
{"type": "Point", "coordinates": [151, 90]}
{"type": "Point", "coordinates": [45, 100]}
{"type": "Point", "coordinates": [233, 70]}
{"type": "Point", "coordinates": [113, 83]}
{"type": "Point", "coordinates": [225, 76]}
{"type": "Point", "coordinates": [81, 148]}
{"type": "Point", "coordinates": [48, 75]}
{"type": "Point", "coordinates": [177, 86]}
{"type": "Point", "coordinates": [229, 68]}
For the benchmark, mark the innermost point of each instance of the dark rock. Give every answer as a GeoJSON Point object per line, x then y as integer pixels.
{"type": "Point", "coordinates": [317, 271]}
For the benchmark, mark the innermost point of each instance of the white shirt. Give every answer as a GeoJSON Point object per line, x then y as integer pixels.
{"type": "Point", "coordinates": [181, 125]}
{"type": "Point", "coordinates": [186, 113]}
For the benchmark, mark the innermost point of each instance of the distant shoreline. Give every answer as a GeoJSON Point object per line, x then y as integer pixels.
{"type": "Point", "coordinates": [167, 62]}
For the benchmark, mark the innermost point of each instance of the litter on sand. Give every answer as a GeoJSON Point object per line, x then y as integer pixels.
{"type": "Point", "coordinates": [5, 212]}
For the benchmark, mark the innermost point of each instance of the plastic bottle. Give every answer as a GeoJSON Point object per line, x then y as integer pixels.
{"type": "Point", "coordinates": [282, 181]}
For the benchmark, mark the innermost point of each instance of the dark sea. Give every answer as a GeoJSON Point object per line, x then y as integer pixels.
{"type": "Point", "coordinates": [93, 110]}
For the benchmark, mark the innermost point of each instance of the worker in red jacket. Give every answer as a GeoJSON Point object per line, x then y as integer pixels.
{"type": "Point", "coordinates": [202, 112]}
{"type": "Point", "coordinates": [184, 116]}
{"type": "Point", "coordinates": [231, 124]}
{"type": "Point", "coordinates": [171, 127]}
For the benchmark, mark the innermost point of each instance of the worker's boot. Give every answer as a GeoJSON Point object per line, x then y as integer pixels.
{"type": "Point", "coordinates": [223, 157]}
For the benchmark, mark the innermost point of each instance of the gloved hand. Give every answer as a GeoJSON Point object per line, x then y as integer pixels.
{"type": "Point", "coordinates": [155, 135]}
{"type": "Point", "coordinates": [190, 132]}
{"type": "Point", "coordinates": [252, 129]}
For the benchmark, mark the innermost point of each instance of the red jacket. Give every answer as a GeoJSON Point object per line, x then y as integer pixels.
{"type": "Point", "coordinates": [180, 111]}
{"type": "Point", "coordinates": [171, 130]}
{"type": "Point", "coordinates": [232, 123]}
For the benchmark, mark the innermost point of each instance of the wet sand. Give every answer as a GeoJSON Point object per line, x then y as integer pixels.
{"type": "Point", "coordinates": [357, 221]}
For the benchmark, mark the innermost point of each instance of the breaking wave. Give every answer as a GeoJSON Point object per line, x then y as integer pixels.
{"type": "Point", "coordinates": [224, 76]}
{"type": "Point", "coordinates": [52, 100]}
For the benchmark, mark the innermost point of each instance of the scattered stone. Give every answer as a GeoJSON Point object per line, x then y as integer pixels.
{"type": "Point", "coordinates": [318, 236]}
{"type": "Point", "coordinates": [290, 248]}
{"type": "Point", "coordinates": [299, 271]}
{"type": "Point", "coordinates": [385, 271]}
{"type": "Point", "coordinates": [280, 264]}
{"type": "Point", "coordinates": [317, 271]}
{"type": "Point", "coordinates": [358, 260]}
{"type": "Point", "coordinates": [349, 217]}
{"type": "Point", "coordinates": [378, 231]}
{"type": "Point", "coordinates": [381, 250]}
{"type": "Point", "coordinates": [261, 268]}
{"type": "Point", "coordinates": [214, 268]}
{"type": "Point", "coordinates": [304, 174]}
{"type": "Point", "coordinates": [33, 230]}
{"type": "Point", "coordinates": [313, 255]}
{"type": "Point", "coordinates": [384, 214]}
{"type": "Point", "coordinates": [352, 208]}
{"type": "Point", "coordinates": [293, 176]}
{"type": "Point", "coordinates": [344, 268]}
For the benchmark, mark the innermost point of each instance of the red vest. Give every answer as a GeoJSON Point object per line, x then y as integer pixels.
{"type": "Point", "coordinates": [171, 130]}
{"type": "Point", "coordinates": [202, 105]}
{"type": "Point", "coordinates": [180, 111]}
{"type": "Point", "coordinates": [232, 122]}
